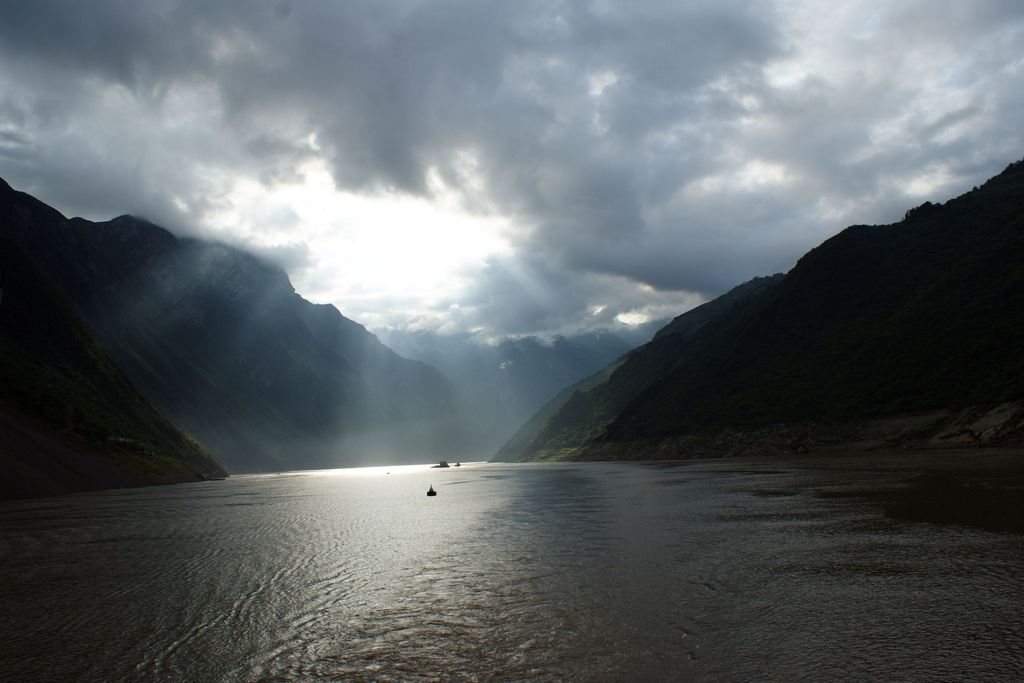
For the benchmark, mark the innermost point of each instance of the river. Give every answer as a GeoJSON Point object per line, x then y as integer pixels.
{"type": "Point", "coordinates": [908, 567]}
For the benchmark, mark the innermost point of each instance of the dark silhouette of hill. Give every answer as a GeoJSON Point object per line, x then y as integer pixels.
{"type": "Point", "coordinates": [922, 317]}
{"type": "Point", "coordinates": [70, 420]}
{"type": "Point", "coordinates": [584, 408]}
{"type": "Point", "coordinates": [225, 347]}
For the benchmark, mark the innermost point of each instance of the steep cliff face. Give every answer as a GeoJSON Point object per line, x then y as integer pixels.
{"type": "Point", "coordinates": [222, 343]}
{"type": "Point", "coordinates": [925, 316]}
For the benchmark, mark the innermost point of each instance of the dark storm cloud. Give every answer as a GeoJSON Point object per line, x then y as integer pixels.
{"type": "Point", "coordinates": [683, 147]}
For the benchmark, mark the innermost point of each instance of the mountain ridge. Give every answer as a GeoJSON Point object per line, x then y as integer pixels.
{"type": "Point", "coordinates": [220, 341]}
{"type": "Point", "coordinates": [878, 323]}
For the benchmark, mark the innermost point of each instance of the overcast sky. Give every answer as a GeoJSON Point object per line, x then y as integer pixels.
{"type": "Point", "coordinates": [509, 167]}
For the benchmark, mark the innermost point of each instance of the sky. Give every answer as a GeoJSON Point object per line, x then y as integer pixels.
{"type": "Point", "coordinates": [509, 168]}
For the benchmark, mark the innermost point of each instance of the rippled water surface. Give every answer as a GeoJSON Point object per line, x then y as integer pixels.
{"type": "Point", "coordinates": [857, 568]}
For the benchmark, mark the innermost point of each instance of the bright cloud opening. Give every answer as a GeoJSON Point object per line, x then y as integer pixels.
{"type": "Point", "coordinates": [365, 249]}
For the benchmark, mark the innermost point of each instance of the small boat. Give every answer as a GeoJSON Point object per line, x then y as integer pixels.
{"type": "Point", "coordinates": [443, 463]}
{"type": "Point", "coordinates": [458, 464]}
{"type": "Point", "coordinates": [431, 491]}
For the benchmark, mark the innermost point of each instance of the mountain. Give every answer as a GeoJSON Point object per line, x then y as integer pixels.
{"type": "Point", "coordinates": [909, 334]}
{"type": "Point", "coordinates": [500, 385]}
{"type": "Point", "coordinates": [224, 346]}
{"type": "Point", "coordinates": [593, 400]}
{"type": "Point", "coordinates": [70, 420]}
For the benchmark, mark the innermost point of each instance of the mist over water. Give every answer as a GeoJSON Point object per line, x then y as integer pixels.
{"type": "Point", "coordinates": [718, 570]}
